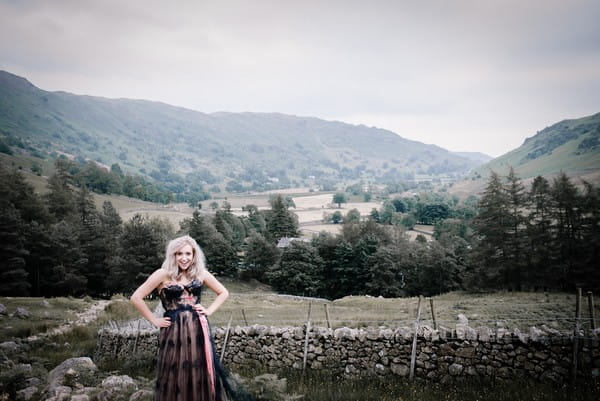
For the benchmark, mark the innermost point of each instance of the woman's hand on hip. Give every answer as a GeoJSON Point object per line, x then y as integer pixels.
{"type": "Point", "coordinates": [201, 310]}
{"type": "Point", "coordinates": [161, 322]}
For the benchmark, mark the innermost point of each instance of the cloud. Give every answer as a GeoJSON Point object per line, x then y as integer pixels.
{"type": "Point", "coordinates": [453, 73]}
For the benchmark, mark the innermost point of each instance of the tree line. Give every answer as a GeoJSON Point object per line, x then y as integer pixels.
{"type": "Point", "coordinates": [59, 243]}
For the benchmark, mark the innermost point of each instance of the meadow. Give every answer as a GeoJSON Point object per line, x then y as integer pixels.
{"type": "Point", "coordinates": [260, 305]}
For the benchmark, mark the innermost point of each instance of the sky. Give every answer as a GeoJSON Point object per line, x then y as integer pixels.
{"type": "Point", "coordinates": [466, 75]}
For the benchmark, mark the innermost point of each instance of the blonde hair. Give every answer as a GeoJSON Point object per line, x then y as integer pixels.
{"type": "Point", "coordinates": [197, 267]}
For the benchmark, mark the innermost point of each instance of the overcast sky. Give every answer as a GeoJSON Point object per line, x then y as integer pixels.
{"type": "Point", "coordinates": [466, 75]}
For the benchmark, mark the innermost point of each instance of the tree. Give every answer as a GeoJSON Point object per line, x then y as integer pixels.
{"type": "Point", "coordinates": [13, 275]}
{"type": "Point", "coordinates": [353, 216]}
{"type": "Point", "coordinates": [385, 273]}
{"type": "Point", "coordinates": [141, 252]}
{"type": "Point", "coordinates": [399, 205]}
{"type": "Point", "coordinates": [260, 254]}
{"type": "Point", "coordinates": [514, 235]}
{"type": "Point", "coordinates": [336, 217]}
{"type": "Point", "coordinates": [491, 224]}
{"type": "Point", "coordinates": [299, 271]}
{"type": "Point", "coordinates": [280, 221]}
{"type": "Point", "coordinates": [339, 198]}
{"type": "Point", "coordinates": [567, 216]}
{"type": "Point", "coordinates": [220, 255]}
{"type": "Point", "coordinates": [60, 198]}
{"type": "Point", "coordinates": [540, 251]}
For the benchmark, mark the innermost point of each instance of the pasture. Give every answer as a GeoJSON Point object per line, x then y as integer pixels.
{"type": "Point", "coordinates": [260, 305]}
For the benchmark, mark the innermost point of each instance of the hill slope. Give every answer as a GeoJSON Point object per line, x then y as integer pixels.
{"type": "Point", "coordinates": [572, 146]}
{"type": "Point", "coordinates": [160, 140]}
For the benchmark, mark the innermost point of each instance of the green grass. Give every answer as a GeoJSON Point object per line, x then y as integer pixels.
{"type": "Point", "coordinates": [40, 318]}
{"type": "Point", "coordinates": [319, 386]}
{"type": "Point", "coordinates": [508, 309]}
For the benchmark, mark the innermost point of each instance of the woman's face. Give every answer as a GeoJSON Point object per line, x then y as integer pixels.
{"type": "Point", "coordinates": [184, 257]}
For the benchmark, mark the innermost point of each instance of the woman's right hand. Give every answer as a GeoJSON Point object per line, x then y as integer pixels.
{"type": "Point", "coordinates": [161, 322]}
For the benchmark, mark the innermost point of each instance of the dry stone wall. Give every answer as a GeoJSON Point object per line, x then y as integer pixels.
{"type": "Point", "coordinates": [442, 355]}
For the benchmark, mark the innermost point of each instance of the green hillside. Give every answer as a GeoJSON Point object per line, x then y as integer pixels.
{"type": "Point", "coordinates": [572, 146]}
{"type": "Point", "coordinates": [171, 143]}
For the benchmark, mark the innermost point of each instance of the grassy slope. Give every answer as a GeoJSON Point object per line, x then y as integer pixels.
{"type": "Point", "coordinates": [566, 157]}
{"type": "Point", "coordinates": [136, 133]}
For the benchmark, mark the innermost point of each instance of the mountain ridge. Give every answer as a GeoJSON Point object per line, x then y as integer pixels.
{"type": "Point", "coordinates": [158, 139]}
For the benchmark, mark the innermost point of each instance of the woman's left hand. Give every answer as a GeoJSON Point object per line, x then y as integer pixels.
{"type": "Point", "coordinates": [201, 310]}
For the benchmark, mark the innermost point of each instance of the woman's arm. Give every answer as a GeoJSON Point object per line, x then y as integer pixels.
{"type": "Point", "coordinates": [222, 294]}
{"type": "Point", "coordinates": [137, 299]}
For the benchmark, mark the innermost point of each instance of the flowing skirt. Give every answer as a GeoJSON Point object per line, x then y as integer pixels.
{"type": "Point", "coordinates": [188, 367]}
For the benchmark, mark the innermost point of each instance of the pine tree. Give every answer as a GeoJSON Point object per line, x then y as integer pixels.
{"type": "Point", "coordinates": [541, 256]}
{"type": "Point", "coordinates": [220, 255]}
{"type": "Point", "coordinates": [514, 236]}
{"type": "Point", "coordinates": [491, 225]}
{"type": "Point", "coordinates": [567, 217]}
{"type": "Point", "coordinates": [13, 276]}
{"type": "Point", "coordinates": [60, 198]}
{"type": "Point", "coordinates": [281, 222]}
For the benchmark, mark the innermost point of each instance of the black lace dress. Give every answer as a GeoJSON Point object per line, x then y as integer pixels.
{"type": "Point", "coordinates": [188, 367]}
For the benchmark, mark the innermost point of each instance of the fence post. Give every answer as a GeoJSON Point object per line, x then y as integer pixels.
{"type": "Point", "coordinates": [327, 316]}
{"type": "Point", "coordinates": [226, 338]}
{"type": "Point", "coordinates": [413, 356]}
{"type": "Point", "coordinates": [591, 307]}
{"type": "Point", "coordinates": [137, 336]}
{"type": "Point", "coordinates": [433, 314]}
{"type": "Point", "coordinates": [306, 339]}
{"type": "Point", "coordinates": [576, 335]}
{"type": "Point", "coordinates": [244, 316]}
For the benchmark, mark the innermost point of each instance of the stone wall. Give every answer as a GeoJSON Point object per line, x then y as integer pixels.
{"type": "Point", "coordinates": [442, 355]}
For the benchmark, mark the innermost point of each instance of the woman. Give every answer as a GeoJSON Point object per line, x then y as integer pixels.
{"type": "Point", "coordinates": [188, 369]}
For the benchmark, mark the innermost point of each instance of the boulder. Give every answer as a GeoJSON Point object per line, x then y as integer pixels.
{"type": "Point", "coordinates": [27, 393]}
{"type": "Point", "coordinates": [2, 309]}
{"type": "Point", "coordinates": [142, 395]}
{"type": "Point", "coordinates": [455, 369]}
{"type": "Point", "coordinates": [74, 366]}
{"type": "Point", "coordinates": [21, 313]}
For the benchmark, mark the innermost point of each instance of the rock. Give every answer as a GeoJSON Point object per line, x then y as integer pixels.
{"type": "Point", "coordinates": [9, 346]}
{"type": "Point", "coordinates": [27, 393]}
{"type": "Point", "coordinates": [56, 377]}
{"type": "Point", "coordinates": [80, 397]}
{"type": "Point", "coordinates": [2, 309]}
{"type": "Point", "coordinates": [123, 382]}
{"type": "Point", "coordinates": [462, 319]}
{"type": "Point", "coordinates": [45, 304]}
{"type": "Point", "coordinates": [142, 395]}
{"type": "Point", "coordinates": [455, 369]}
{"type": "Point", "coordinates": [400, 370]}
{"type": "Point", "coordinates": [21, 313]}
{"type": "Point", "coordinates": [269, 387]}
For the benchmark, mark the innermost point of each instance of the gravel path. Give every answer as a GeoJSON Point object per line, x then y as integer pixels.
{"type": "Point", "coordinates": [81, 319]}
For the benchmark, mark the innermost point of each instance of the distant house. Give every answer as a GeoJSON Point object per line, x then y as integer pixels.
{"type": "Point", "coordinates": [284, 242]}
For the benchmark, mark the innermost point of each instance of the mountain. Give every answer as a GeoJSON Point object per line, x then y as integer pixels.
{"type": "Point", "coordinates": [475, 156]}
{"type": "Point", "coordinates": [163, 141]}
{"type": "Point", "coordinates": [572, 146]}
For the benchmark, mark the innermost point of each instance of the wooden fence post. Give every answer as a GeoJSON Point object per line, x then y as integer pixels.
{"type": "Point", "coordinates": [244, 316]}
{"type": "Point", "coordinates": [576, 336]}
{"type": "Point", "coordinates": [327, 316]}
{"type": "Point", "coordinates": [591, 307]}
{"type": "Point", "coordinates": [137, 336]}
{"type": "Point", "coordinates": [433, 313]}
{"type": "Point", "coordinates": [413, 356]}
{"type": "Point", "coordinates": [226, 338]}
{"type": "Point", "coordinates": [304, 359]}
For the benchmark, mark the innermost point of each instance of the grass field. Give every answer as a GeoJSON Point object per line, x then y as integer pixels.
{"type": "Point", "coordinates": [262, 306]}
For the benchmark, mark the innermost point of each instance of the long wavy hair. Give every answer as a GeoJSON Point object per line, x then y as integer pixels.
{"type": "Point", "coordinates": [197, 267]}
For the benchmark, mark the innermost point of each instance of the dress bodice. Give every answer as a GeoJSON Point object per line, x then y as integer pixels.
{"type": "Point", "coordinates": [175, 295]}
